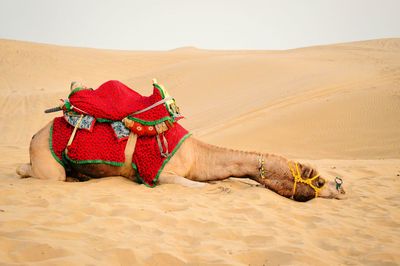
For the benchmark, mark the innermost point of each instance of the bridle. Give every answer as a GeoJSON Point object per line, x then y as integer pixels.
{"type": "Point", "coordinates": [299, 179]}
{"type": "Point", "coordinates": [295, 170]}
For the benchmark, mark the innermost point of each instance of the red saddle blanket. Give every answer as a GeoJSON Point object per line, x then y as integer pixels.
{"type": "Point", "coordinates": [111, 102]}
{"type": "Point", "coordinates": [114, 101]}
{"type": "Point", "coordinates": [102, 146]}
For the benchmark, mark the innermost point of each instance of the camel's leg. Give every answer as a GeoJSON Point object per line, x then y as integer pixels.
{"type": "Point", "coordinates": [43, 165]}
{"type": "Point", "coordinates": [175, 179]}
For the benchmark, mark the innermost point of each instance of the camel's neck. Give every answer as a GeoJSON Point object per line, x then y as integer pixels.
{"type": "Point", "coordinates": [215, 163]}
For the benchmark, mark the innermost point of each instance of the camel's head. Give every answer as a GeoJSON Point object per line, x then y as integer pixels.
{"type": "Point", "coordinates": [308, 184]}
{"type": "Point", "coordinates": [333, 189]}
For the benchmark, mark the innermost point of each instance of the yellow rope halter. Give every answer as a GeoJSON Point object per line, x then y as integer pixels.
{"type": "Point", "coordinates": [298, 179]}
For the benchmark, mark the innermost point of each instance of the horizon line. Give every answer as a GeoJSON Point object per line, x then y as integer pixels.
{"type": "Point", "coordinates": [192, 47]}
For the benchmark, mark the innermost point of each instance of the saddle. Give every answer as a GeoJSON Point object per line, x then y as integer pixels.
{"type": "Point", "coordinates": [97, 123]}
{"type": "Point", "coordinates": [113, 102]}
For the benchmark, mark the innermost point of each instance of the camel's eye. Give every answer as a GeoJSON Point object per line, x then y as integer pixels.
{"type": "Point", "coordinates": [320, 182]}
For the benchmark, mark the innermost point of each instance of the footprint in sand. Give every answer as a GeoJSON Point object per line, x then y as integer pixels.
{"type": "Point", "coordinates": [219, 190]}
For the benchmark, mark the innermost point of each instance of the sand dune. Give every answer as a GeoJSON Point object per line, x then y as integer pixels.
{"type": "Point", "coordinates": [336, 107]}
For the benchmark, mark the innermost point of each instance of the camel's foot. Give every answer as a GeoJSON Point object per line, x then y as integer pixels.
{"type": "Point", "coordinates": [24, 170]}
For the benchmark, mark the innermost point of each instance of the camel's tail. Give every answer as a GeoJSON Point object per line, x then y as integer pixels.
{"type": "Point", "coordinates": [24, 170]}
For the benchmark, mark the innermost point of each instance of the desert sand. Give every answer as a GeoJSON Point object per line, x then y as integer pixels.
{"type": "Point", "coordinates": [336, 107]}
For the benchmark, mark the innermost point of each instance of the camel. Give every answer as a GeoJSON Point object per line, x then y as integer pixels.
{"type": "Point", "coordinates": [193, 165]}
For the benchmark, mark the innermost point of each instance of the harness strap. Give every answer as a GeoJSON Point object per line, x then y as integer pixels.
{"type": "Point", "coordinates": [71, 138]}
{"type": "Point", "coordinates": [161, 147]}
{"type": "Point", "coordinates": [130, 147]}
{"type": "Point", "coordinates": [152, 106]}
{"type": "Point", "coordinates": [298, 179]}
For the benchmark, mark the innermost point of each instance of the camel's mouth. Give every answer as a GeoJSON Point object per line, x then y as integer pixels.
{"type": "Point", "coordinates": [341, 195]}
{"type": "Point", "coordinates": [334, 190]}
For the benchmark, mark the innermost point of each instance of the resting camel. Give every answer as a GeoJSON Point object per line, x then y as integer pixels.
{"type": "Point", "coordinates": [192, 165]}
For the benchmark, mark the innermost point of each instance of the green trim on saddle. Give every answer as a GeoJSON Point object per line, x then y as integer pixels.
{"type": "Point", "coordinates": [168, 105]}
{"type": "Point", "coordinates": [92, 161]}
{"type": "Point", "coordinates": [104, 120]}
{"type": "Point", "coordinates": [160, 89]}
{"type": "Point", "coordinates": [171, 106]}
{"type": "Point", "coordinates": [77, 89]}
{"type": "Point", "coordinates": [51, 147]}
{"type": "Point", "coordinates": [138, 178]}
{"type": "Point", "coordinates": [151, 123]}
{"type": "Point", "coordinates": [163, 165]}
{"type": "Point", "coordinates": [143, 122]}
{"type": "Point", "coordinates": [68, 106]}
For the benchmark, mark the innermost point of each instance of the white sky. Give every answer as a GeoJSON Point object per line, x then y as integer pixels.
{"type": "Point", "coordinates": [210, 24]}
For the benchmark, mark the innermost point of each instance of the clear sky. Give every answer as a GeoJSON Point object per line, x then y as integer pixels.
{"type": "Point", "coordinates": [210, 24]}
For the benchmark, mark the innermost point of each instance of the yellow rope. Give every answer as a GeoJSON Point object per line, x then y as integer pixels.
{"type": "Point", "coordinates": [298, 179]}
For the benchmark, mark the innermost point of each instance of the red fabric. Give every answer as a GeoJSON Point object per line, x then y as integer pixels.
{"type": "Point", "coordinates": [147, 155]}
{"type": "Point", "coordinates": [61, 131]}
{"type": "Point", "coordinates": [101, 146]}
{"type": "Point", "coordinates": [113, 100]}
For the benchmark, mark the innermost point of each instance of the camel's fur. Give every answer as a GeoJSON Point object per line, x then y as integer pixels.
{"type": "Point", "coordinates": [193, 163]}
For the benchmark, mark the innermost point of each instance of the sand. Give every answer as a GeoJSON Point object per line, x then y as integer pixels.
{"type": "Point", "coordinates": [336, 107]}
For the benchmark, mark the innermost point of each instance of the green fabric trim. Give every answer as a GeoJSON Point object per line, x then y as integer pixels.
{"type": "Point", "coordinates": [138, 178]}
{"type": "Point", "coordinates": [76, 90]}
{"type": "Point", "coordinates": [104, 120]}
{"type": "Point", "coordinates": [151, 123]}
{"type": "Point", "coordinates": [51, 147]}
{"type": "Point", "coordinates": [154, 122]}
{"type": "Point", "coordinates": [159, 89]}
{"type": "Point", "coordinates": [168, 107]}
{"type": "Point", "coordinates": [92, 161]}
{"type": "Point", "coordinates": [164, 163]}
{"type": "Point", "coordinates": [143, 122]}
{"type": "Point", "coordinates": [68, 106]}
